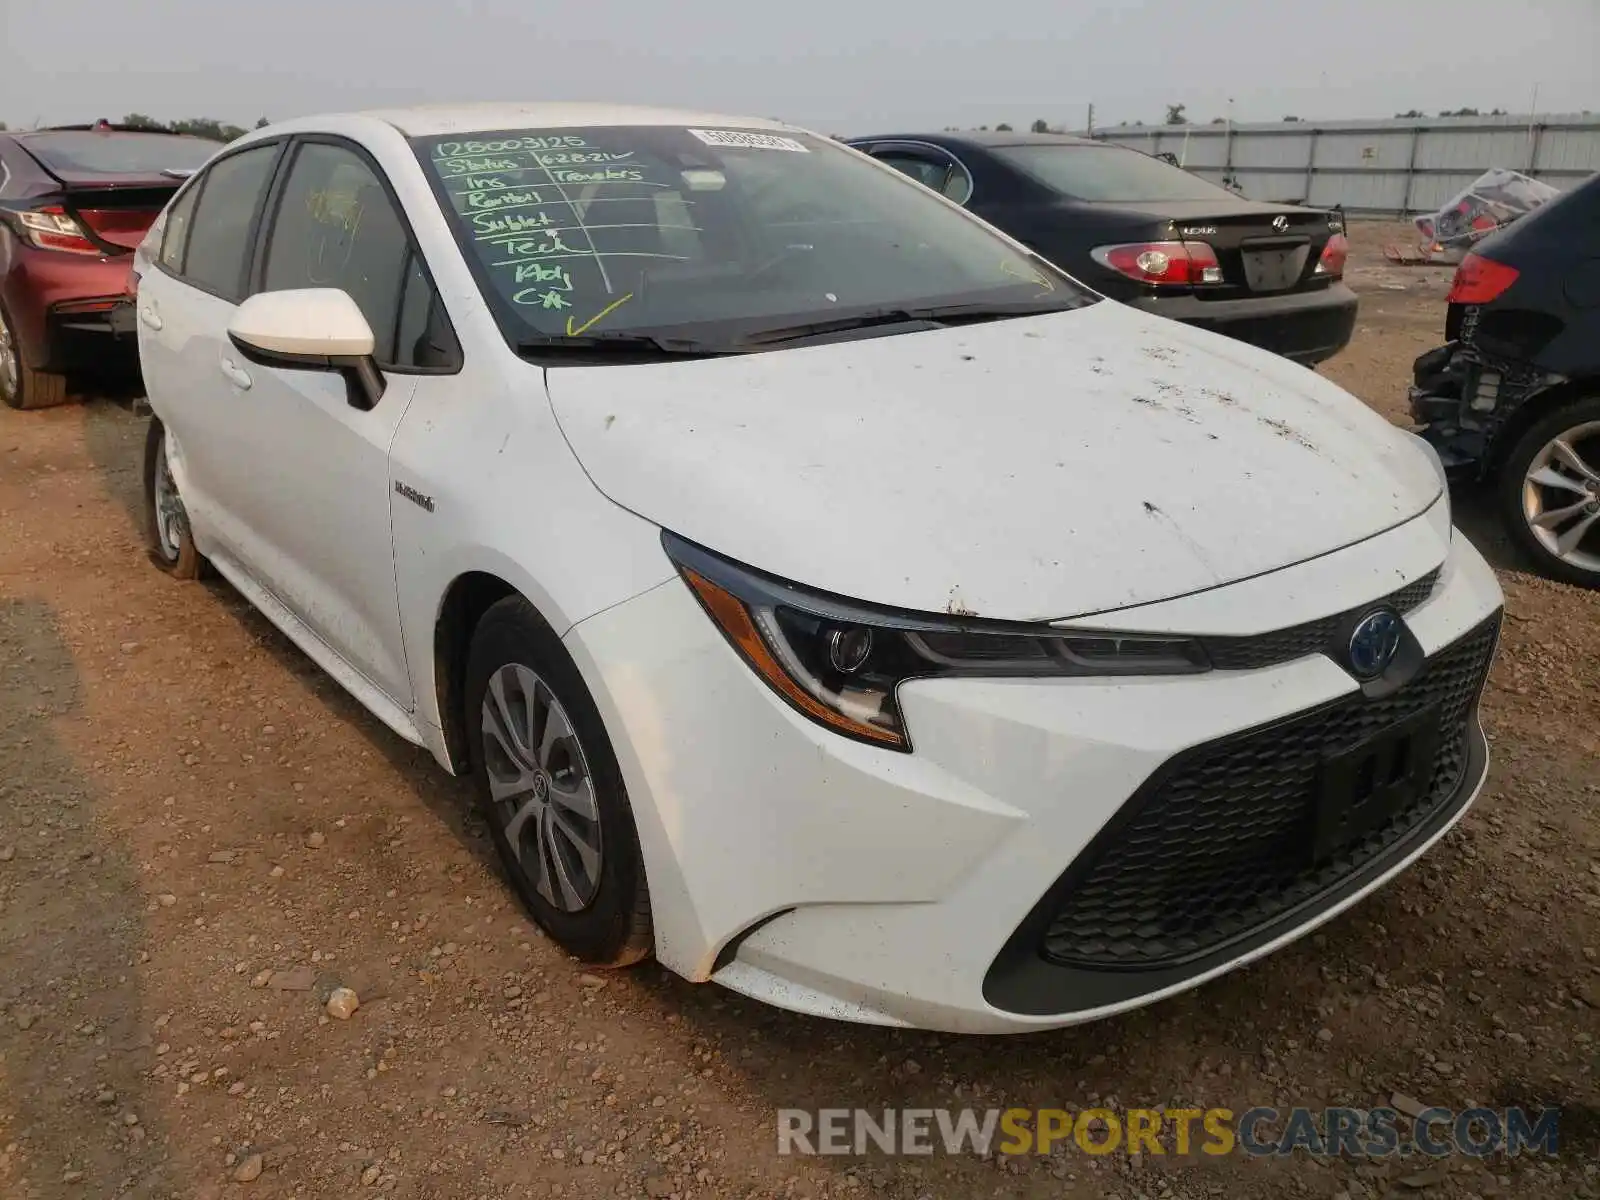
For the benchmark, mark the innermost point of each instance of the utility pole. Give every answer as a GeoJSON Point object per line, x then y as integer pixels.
{"type": "Point", "coordinates": [1090, 125]}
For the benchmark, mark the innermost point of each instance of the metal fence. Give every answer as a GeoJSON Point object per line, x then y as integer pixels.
{"type": "Point", "coordinates": [1396, 167]}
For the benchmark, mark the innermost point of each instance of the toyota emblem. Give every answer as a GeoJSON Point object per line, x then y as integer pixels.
{"type": "Point", "coordinates": [1374, 643]}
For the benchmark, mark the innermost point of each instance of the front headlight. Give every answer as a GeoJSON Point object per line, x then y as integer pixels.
{"type": "Point", "coordinates": [839, 662]}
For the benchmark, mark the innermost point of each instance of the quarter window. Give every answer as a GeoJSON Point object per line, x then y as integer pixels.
{"type": "Point", "coordinates": [337, 228]}
{"type": "Point", "coordinates": [943, 175]}
{"type": "Point", "coordinates": [218, 238]}
{"type": "Point", "coordinates": [175, 235]}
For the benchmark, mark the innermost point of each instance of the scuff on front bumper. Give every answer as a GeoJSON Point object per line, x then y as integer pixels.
{"type": "Point", "coordinates": [1462, 400]}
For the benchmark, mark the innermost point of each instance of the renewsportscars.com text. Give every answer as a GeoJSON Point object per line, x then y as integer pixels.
{"type": "Point", "coordinates": [1347, 1132]}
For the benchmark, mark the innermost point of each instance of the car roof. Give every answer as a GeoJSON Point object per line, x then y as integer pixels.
{"type": "Point", "coordinates": [434, 120]}
{"type": "Point", "coordinates": [985, 139]}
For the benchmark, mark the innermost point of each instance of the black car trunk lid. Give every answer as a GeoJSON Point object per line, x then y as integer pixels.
{"type": "Point", "coordinates": [1263, 249]}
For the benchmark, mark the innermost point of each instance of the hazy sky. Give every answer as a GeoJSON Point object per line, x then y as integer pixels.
{"type": "Point", "coordinates": [845, 66]}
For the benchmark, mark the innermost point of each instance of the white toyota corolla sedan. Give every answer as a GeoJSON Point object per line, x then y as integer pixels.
{"type": "Point", "coordinates": [829, 596]}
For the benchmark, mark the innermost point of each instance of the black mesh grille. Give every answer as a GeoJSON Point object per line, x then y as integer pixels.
{"type": "Point", "coordinates": [1222, 844]}
{"type": "Point", "coordinates": [1299, 641]}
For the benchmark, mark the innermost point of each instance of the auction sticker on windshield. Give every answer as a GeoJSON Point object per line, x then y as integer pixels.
{"type": "Point", "coordinates": [743, 140]}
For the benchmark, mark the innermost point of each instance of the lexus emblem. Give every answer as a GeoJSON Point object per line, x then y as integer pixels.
{"type": "Point", "coordinates": [1280, 223]}
{"type": "Point", "coordinates": [1374, 643]}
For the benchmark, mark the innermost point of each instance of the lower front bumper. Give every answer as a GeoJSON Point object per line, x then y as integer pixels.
{"type": "Point", "coordinates": [1212, 860]}
{"type": "Point", "coordinates": [847, 881]}
{"type": "Point", "coordinates": [1306, 327]}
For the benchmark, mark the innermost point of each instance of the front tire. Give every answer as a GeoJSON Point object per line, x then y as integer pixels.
{"type": "Point", "coordinates": [1549, 493]}
{"type": "Point", "coordinates": [548, 786]}
{"type": "Point", "coordinates": [20, 385]}
{"type": "Point", "coordinates": [167, 533]}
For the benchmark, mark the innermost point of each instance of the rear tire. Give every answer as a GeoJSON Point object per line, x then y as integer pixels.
{"type": "Point", "coordinates": [1548, 493]}
{"type": "Point", "coordinates": [167, 533]}
{"type": "Point", "coordinates": [20, 385]}
{"type": "Point", "coordinates": [548, 786]}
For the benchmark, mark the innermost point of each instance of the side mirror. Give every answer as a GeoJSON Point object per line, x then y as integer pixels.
{"type": "Point", "coordinates": [310, 329]}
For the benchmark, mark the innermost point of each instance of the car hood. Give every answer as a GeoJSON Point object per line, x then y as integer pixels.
{"type": "Point", "coordinates": [1028, 469]}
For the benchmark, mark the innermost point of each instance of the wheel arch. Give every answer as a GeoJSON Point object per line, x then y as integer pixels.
{"type": "Point", "coordinates": [1533, 410]}
{"type": "Point", "coordinates": [469, 596]}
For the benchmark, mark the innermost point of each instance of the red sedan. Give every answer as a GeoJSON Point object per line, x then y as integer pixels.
{"type": "Point", "coordinates": [74, 203]}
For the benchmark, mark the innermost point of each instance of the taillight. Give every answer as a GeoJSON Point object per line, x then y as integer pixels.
{"type": "Point", "coordinates": [1479, 280]}
{"type": "Point", "coordinates": [49, 228]}
{"type": "Point", "coordinates": [1162, 263]}
{"type": "Point", "coordinates": [1332, 260]}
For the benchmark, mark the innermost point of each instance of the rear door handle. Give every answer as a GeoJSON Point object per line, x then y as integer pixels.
{"type": "Point", "coordinates": [147, 314]}
{"type": "Point", "coordinates": [237, 375]}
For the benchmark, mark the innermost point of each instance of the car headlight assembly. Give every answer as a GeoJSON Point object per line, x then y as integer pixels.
{"type": "Point", "coordinates": [840, 663]}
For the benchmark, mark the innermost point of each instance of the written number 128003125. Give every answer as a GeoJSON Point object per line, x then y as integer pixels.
{"type": "Point", "coordinates": [457, 149]}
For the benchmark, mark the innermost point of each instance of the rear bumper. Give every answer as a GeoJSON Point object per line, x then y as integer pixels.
{"type": "Point", "coordinates": [72, 313]}
{"type": "Point", "coordinates": [1462, 402]}
{"type": "Point", "coordinates": [1306, 327]}
{"type": "Point", "coordinates": [95, 337]}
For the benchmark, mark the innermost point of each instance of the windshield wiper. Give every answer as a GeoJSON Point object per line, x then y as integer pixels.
{"type": "Point", "coordinates": [624, 345]}
{"type": "Point", "coordinates": [937, 315]}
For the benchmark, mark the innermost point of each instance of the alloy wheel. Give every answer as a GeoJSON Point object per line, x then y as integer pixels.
{"type": "Point", "coordinates": [542, 789]}
{"type": "Point", "coordinates": [10, 365]}
{"type": "Point", "coordinates": [171, 521]}
{"type": "Point", "coordinates": [1561, 496]}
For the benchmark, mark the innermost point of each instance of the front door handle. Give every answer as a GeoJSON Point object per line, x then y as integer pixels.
{"type": "Point", "coordinates": [237, 375]}
{"type": "Point", "coordinates": [147, 314]}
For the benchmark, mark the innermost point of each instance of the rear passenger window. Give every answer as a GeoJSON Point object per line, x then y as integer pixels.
{"type": "Point", "coordinates": [219, 231]}
{"type": "Point", "coordinates": [337, 228]}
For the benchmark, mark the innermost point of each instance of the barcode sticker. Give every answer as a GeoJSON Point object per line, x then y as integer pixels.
{"type": "Point", "coordinates": [740, 139]}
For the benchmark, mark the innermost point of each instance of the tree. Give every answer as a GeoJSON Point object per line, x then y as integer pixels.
{"type": "Point", "coordinates": [1291, 120]}
{"type": "Point", "coordinates": [203, 127]}
{"type": "Point", "coordinates": [1175, 114]}
{"type": "Point", "coordinates": [263, 123]}
{"type": "Point", "coordinates": [1497, 112]}
{"type": "Point", "coordinates": [1041, 126]}
{"type": "Point", "coordinates": [1219, 121]}
{"type": "Point", "coordinates": [206, 127]}
{"type": "Point", "coordinates": [1002, 128]}
{"type": "Point", "coordinates": [1411, 114]}
{"type": "Point", "coordinates": [1459, 112]}
{"type": "Point", "coordinates": [2, 125]}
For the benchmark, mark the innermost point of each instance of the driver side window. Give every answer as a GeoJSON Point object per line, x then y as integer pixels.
{"type": "Point", "coordinates": [336, 227]}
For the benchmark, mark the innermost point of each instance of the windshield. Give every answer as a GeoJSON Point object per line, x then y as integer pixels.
{"type": "Point", "coordinates": [713, 236]}
{"type": "Point", "coordinates": [119, 153]}
{"type": "Point", "coordinates": [1109, 173]}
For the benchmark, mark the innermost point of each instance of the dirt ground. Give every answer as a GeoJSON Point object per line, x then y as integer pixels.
{"type": "Point", "coordinates": [186, 804]}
